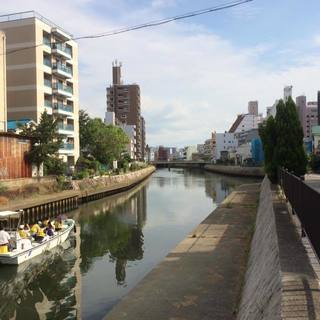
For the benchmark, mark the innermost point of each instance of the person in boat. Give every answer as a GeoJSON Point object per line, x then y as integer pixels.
{"type": "Point", "coordinates": [37, 232]}
{"type": "Point", "coordinates": [50, 229]}
{"type": "Point", "coordinates": [22, 233]}
{"type": "Point", "coordinates": [58, 224]}
{"type": "Point", "coordinates": [26, 228]}
{"type": "Point", "coordinates": [4, 240]}
{"type": "Point", "coordinates": [45, 222]}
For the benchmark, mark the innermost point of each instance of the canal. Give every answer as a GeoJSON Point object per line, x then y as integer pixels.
{"type": "Point", "coordinates": [119, 239]}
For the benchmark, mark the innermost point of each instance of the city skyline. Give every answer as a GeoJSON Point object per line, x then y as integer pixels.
{"type": "Point", "coordinates": [223, 62]}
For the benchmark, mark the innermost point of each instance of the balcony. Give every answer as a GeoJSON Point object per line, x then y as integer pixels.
{"type": "Point", "coordinates": [63, 90]}
{"type": "Point", "coordinates": [47, 83]}
{"type": "Point", "coordinates": [46, 41]}
{"type": "Point", "coordinates": [61, 50]}
{"type": "Point", "coordinates": [62, 70]}
{"type": "Point", "coordinates": [63, 109]}
{"type": "Point", "coordinates": [47, 62]}
{"type": "Point", "coordinates": [47, 104]}
{"type": "Point", "coordinates": [66, 148]}
{"type": "Point", "coordinates": [66, 129]}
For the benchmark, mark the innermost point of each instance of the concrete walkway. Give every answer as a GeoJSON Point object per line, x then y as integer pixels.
{"type": "Point", "coordinates": [202, 277]}
{"type": "Point", "coordinates": [300, 285]}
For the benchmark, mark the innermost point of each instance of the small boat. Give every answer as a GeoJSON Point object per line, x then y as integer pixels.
{"type": "Point", "coordinates": [26, 249]}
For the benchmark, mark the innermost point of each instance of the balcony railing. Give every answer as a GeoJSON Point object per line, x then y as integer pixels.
{"type": "Point", "coordinates": [67, 146]}
{"type": "Point", "coordinates": [47, 83]}
{"type": "Point", "coordinates": [47, 62]}
{"type": "Point", "coordinates": [46, 41]}
{"type": "Point", "coordinates": [47, 103]}
{"type": "Point", "coordinates": [60, 86]}
{"type": "Point", "coordinates": [63, 48]}
{"type": "Point", "coordinates": [62, 67]}
{"type": "Point", "coordinates": [63, 107]}
{"type": "Point", "coordinates": [66, 127]}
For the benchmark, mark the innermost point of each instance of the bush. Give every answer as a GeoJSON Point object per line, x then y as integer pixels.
{"type": "Point", "coordinates": [55, 166]}
{"type": "Point", "coordinates": [3, 188]}
{"type": "Point", "coordinates": [87, 163]}
{"type": "Point", "coordinates": [83, 174]}
{"type": "Point", "coordinates": [314, 163]}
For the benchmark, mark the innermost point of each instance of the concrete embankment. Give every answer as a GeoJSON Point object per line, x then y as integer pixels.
{"type": "Point", "coordinates": [202, 277]}
{"type": "Point", "coordinates": [257, 172]}
{"type": "Point", "coordinates": [280, 282]}
{"type": "Point", "coordinates": [83, 190]}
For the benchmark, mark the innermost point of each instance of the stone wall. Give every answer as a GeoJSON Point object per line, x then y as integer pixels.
{"type": "Point", "coordinates": [12, 184]}
{"type": "Point", "coordinates": [236, 170]}
{"type": "Point", "coordinates": [261, 297]}
{"type": "Point", "coordinates": [109, 181]}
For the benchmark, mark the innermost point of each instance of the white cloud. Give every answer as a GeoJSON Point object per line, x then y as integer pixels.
{"type": "Point", "coordinates": [192, 81]}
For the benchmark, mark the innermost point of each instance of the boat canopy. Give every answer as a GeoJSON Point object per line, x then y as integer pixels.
{"type": "Point", "coordinates": [9, 214]}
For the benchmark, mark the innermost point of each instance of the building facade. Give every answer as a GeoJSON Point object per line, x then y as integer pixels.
{"type": "Point", "coordinates": [308, 115]}
{"type": "Point", "coordinates": [253, 108]}
{"type": "Point", "coordinates": [226, 143]}
{"type": "Point", "coordinates": [3, 83]}
{"type": "Point", "coordinates": [188, 151]}
{"type": "Point", "coordinates": [124, 101]}
{"type": "Point", "coordinates": [43, 77]}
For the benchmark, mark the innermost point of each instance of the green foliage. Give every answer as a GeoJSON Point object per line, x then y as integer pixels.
{"type": "Point", "coordinates": [63, 183]}
{"type": "Point", "coordinates": [55, 166]}
{"type": "Point", "coordinates": [315, 163]}
{"type": "Point", "coordinates": [3, 188]}
{"type": "Point", "coordinates": [83, 134]}
{"type": "Point", "coordinates": [282, 140]}
{"type": "Point", "coordinates": [103, 142]}
{"type": "Point", "coordinates": [45, 139]}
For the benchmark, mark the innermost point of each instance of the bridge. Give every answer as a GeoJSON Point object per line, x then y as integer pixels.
{"type": "Point", "coordinates": [180, 164]}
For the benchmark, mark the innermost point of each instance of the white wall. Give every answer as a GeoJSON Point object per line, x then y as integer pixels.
{"type": "Point", "coordinates": [225, 142]}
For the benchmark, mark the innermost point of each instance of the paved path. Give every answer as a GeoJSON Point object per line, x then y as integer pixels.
{"type": "Point", "coordinates": [300, 285]}
{"type": "Point", "coordinates": [202, 277]}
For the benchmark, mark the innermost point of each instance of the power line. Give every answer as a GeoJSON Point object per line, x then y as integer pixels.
{"type": "Point", "coordinates": [148, 24]}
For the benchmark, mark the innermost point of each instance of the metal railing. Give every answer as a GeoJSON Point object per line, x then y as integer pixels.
{"type": "Point", "coordinates": [67, 127]}
{"type": "Point", "coordinates": [60, 86]}
{"type": "Point", "coordinates": [47, 83]}
{"type": "Point", "coordinates": [304, 201]}
{"type": "Point", "coordinates": [63, 107]}
{"type": "Point", "coordinates": [62, 47]}
{"type": "Point", "coordinates": [67, 146]}
{"type": "Point", "coordinates": [62, 67]}
{"type": "Point", "coordinates": [47, 62]}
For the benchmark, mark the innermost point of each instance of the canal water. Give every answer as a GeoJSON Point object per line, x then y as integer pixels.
{"type": "Point", "coordinates": [119, 240]}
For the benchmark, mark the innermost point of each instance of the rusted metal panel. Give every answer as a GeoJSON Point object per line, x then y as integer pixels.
{"type": "Point", "coordinates": [13, 164]}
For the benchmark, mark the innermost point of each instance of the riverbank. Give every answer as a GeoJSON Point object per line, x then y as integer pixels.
{"type": "Point", "coordinates": [256, 172]}
{"type": "Point", "coordinates": [86, 189]}
{"type": "Point", "coordinates": [202, 277]}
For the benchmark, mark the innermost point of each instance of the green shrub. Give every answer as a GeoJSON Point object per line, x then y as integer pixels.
{"type": "Point", "coordinates": [55, 166]}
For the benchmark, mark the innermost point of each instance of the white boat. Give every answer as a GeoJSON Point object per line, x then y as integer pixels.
{"type": "Point", "coordinates": [26, 249]}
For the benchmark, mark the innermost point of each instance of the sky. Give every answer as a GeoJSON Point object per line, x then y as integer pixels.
{"type": "Point", "coordinates": [197, 74]}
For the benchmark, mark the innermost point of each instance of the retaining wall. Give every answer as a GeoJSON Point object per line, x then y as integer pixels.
{"type": "Point", "coordinates": [261, 297]}
{"type": "Point", "coordinates": [236, 170]}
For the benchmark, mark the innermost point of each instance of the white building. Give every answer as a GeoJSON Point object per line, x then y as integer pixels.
{"type": "Point", "coordinates": [226, 143]}
{"type": "Point", "coordinates": [188, 151]}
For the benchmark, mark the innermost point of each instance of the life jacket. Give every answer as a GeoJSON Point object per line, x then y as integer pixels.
{"type": "Point", "coordinates": [40, 233]}
{"type": "Point", "coordinates": [23, 234]}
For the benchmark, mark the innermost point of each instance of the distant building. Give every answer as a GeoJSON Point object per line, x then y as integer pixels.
{"type": "Point", "coordinates": [143, 139]}
{"type": "Point", "coordinates": [162, 154]}
{"type": "Point", "coordinates": [287, 93]}
{"type": "Point", "coordinates": [245, 122]}
{"type": "Point", "coordinates": [308, 115]}
{"type": "Point", "coordinates": [188, 151]}
{"type": "Point", "coordinates": [200, 148]}
{"type": "Point", "coordinates": [3, 83]}
{"type": "Point", "coordinates": [124, 101]}
{"type": "Point", "coordinates": [253, 108]}
{"type": "Point", "coordinates": [43, 77]}
{"type": "Point", "coordinates": [151, 153]}
{"type": "Point", "coordinates": [246, 136]}
{"type": "Point", "coordinates": [226, 143]}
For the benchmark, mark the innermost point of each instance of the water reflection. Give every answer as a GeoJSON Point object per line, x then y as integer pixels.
{"type": "Point", "coordinates": [119, 240]}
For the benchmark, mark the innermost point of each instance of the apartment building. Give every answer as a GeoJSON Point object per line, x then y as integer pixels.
{"type": "Point", "coordinates": [3, 83]}
{"type": "Point", "coordinates": [308, 115]}
{"type": "Point", "coordinates": [124, 101]}
{"type": "Point", "coordinates": [42, 74]}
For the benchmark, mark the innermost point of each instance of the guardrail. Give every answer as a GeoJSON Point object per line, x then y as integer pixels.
{"type": "Point", "coordinates": [304, 201]}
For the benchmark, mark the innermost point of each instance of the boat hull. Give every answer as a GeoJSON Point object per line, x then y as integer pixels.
{"type": "Point", "coordinates": [20, 257]}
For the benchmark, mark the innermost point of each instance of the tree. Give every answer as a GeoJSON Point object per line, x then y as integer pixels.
{"type": "Point", "coordinates": [104, 142]}
{"type": "Point", "coordinates": [83, 121]}
{"type": "Point", "coordinates": [45, 141]}
{"type": "Point", "coordinates": [282, 140]}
